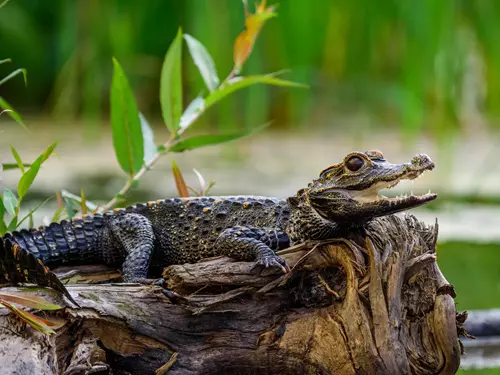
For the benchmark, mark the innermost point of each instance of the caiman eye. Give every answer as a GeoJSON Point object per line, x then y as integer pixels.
{"type": "Point", "coordinates": [354, 163]}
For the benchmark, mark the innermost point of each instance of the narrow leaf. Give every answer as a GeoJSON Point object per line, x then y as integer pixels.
{"type": "Point", "coordinates": [210, 140]}
{"type": "Point", "coordinates": [29, 215]}
{"type": "Point", "coordinates": [3, 226]}
{"type": "Point", "coordinates": [77, 201]}
{"type": "Point", "coordinates": [34, 321]}
{"type": "Point", "coordinates": [29, 176]}
{"type": "Point", "coordinates": [10, 166]}
{"type": "Point", "coordinates": [16, 73]}
{"type": "Point", "coordinates": [192, 112]}
{"type": "Point", "coordinates": [18, 158]}
{"type": "Point", "coordinates": [171, 85]}
{"type": "Point", "coordinates": [149, 140]}
{"type": "Point", "coordinates": [83, 203]}
{"type": "Point", "coordinates": [29, 300]}
{"type": "Point", "coordinates": [242, 82]}
{"type": "Point", "coordinates": [201, 180]}
{"type": "Point", "coordinates": [70, 211]}
{"type": "Point", "coordinates": [12, 113]}
{"type": "Point", "coordinates": [179, 181]}
{"type": "Point", "coordinates": [9, 201]}
{"type": "Point", "coordinates": [125, 123]}
{"type": "Point", "coordinates": [203, 61]}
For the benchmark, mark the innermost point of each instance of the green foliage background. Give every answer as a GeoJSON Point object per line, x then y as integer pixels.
{"type": "Point", "coordinates": [408, 59]}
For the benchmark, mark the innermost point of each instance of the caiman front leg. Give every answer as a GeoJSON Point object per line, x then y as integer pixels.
{"type": "Point", "coordinates": [250, 243]}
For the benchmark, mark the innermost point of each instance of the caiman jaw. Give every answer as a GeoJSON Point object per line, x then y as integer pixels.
{"type": "Point", "coordinates": [350, 191]}
{"type": "Point", "coordinates": [413, 170]}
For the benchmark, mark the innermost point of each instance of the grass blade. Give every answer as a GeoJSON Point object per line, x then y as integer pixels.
{"type": "Point", "coordinates": [12, 113]}
{"type": "Point", "coordinates": [18, 158]}
{"type": "Point", "coordinates": [29, 176]}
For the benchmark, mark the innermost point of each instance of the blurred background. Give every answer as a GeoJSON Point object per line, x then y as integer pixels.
{"type": "Point", "coordinates": [405, 77]}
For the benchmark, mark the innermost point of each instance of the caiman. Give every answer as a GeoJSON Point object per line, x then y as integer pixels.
{"type": "Point", "coordinates": [144, 238]}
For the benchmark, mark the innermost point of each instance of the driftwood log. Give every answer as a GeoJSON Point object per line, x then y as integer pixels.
{"type": "Point", "coordinates": [372, 303]}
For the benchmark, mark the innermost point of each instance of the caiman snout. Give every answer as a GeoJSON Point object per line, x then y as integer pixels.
{"type": "Point", "coordinates": [422, 161]}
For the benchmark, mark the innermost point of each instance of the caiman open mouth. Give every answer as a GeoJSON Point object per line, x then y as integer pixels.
{"type": "Point", "coordinates": [373, 195]}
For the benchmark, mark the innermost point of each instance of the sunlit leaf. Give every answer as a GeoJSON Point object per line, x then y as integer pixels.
{"type": "Point", "coordinates": [203, 61]}
{"type": "Point", "coordinates": [12, 113]}
{"type": "Point", "coordinates": [192, 112]}
{"type": "Point", "coordinates": [179, 181]}
{"type": "Point", "coordinates": [149, 140]}
{"type": "Point", "coordinates": [9, 201]}
{"type": "Point", "coordinates": [240, 83]}
{"type": "Point", "coordinates": [17, 157]}
{"type": "Point", "coordinates": [171, 85]}
{"type": "Point", "coordinates": [29, 300]}
{"type": "Point", "coordinates": [29, 176]}
{"type": "Point", "coordinates": [245, 41]}
{"type": "Point", "coordinates": [125, 123]}
{"type": "Point", "coordinates": [210, 140]}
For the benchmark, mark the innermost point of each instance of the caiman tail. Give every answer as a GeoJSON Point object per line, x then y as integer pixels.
{"type": "Point", "coordinates": [24, 254]}
{"type": "Point", "coordinates": [18, 265]}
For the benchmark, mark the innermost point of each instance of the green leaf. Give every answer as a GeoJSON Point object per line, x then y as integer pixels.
{"type": "Point", "coordinates": [77, 201]}
{"type": "Point", "coordinates": [12, 113]}
{"type": "Point", "coordinates": [203, 61]}
{"type": "Point", "coordinates": [192, 112]}
{"type": "Point", "coordinates": [70, 210]}
{"type": "Point", "coordinates": [18, 158]}
{"type": "Point", "coordinates": [10, 166]}
{"type": "Point", "coordinates": [12, 225]}
{"type": "Point", "coordinates": [171, 85]}
{"type": "Point", "coordinates": [242, 82]}
{"type": "Point", "coordinates": [29, 176]}
{"type": "Point", "coordinates": [125, 123]}
{"type": "Point", "coordinates": [9, 201]}
{"type": "Point", "coordinates": [149, 140]}
{"type": "Point", "coordinates": [3, 226]}
{"type": "Point", "coordinates": [210, 140]}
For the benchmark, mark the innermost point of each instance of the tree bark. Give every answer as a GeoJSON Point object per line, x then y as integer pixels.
{"type": "Point", "coordinates": [373, 303]}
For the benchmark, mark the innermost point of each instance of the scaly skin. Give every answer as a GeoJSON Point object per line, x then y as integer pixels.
{"type": "Point", "coordinates": [145, 238]}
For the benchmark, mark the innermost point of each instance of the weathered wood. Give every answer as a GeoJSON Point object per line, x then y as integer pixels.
{"type": "Point", "coordinates": [374, 303]}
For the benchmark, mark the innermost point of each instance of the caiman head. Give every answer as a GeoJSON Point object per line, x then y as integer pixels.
{"type": "Point", "coordinates": [349, 191]}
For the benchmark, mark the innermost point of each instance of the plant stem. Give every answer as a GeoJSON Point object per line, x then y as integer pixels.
{"type": "Point", "coordinates": [146, 167]}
